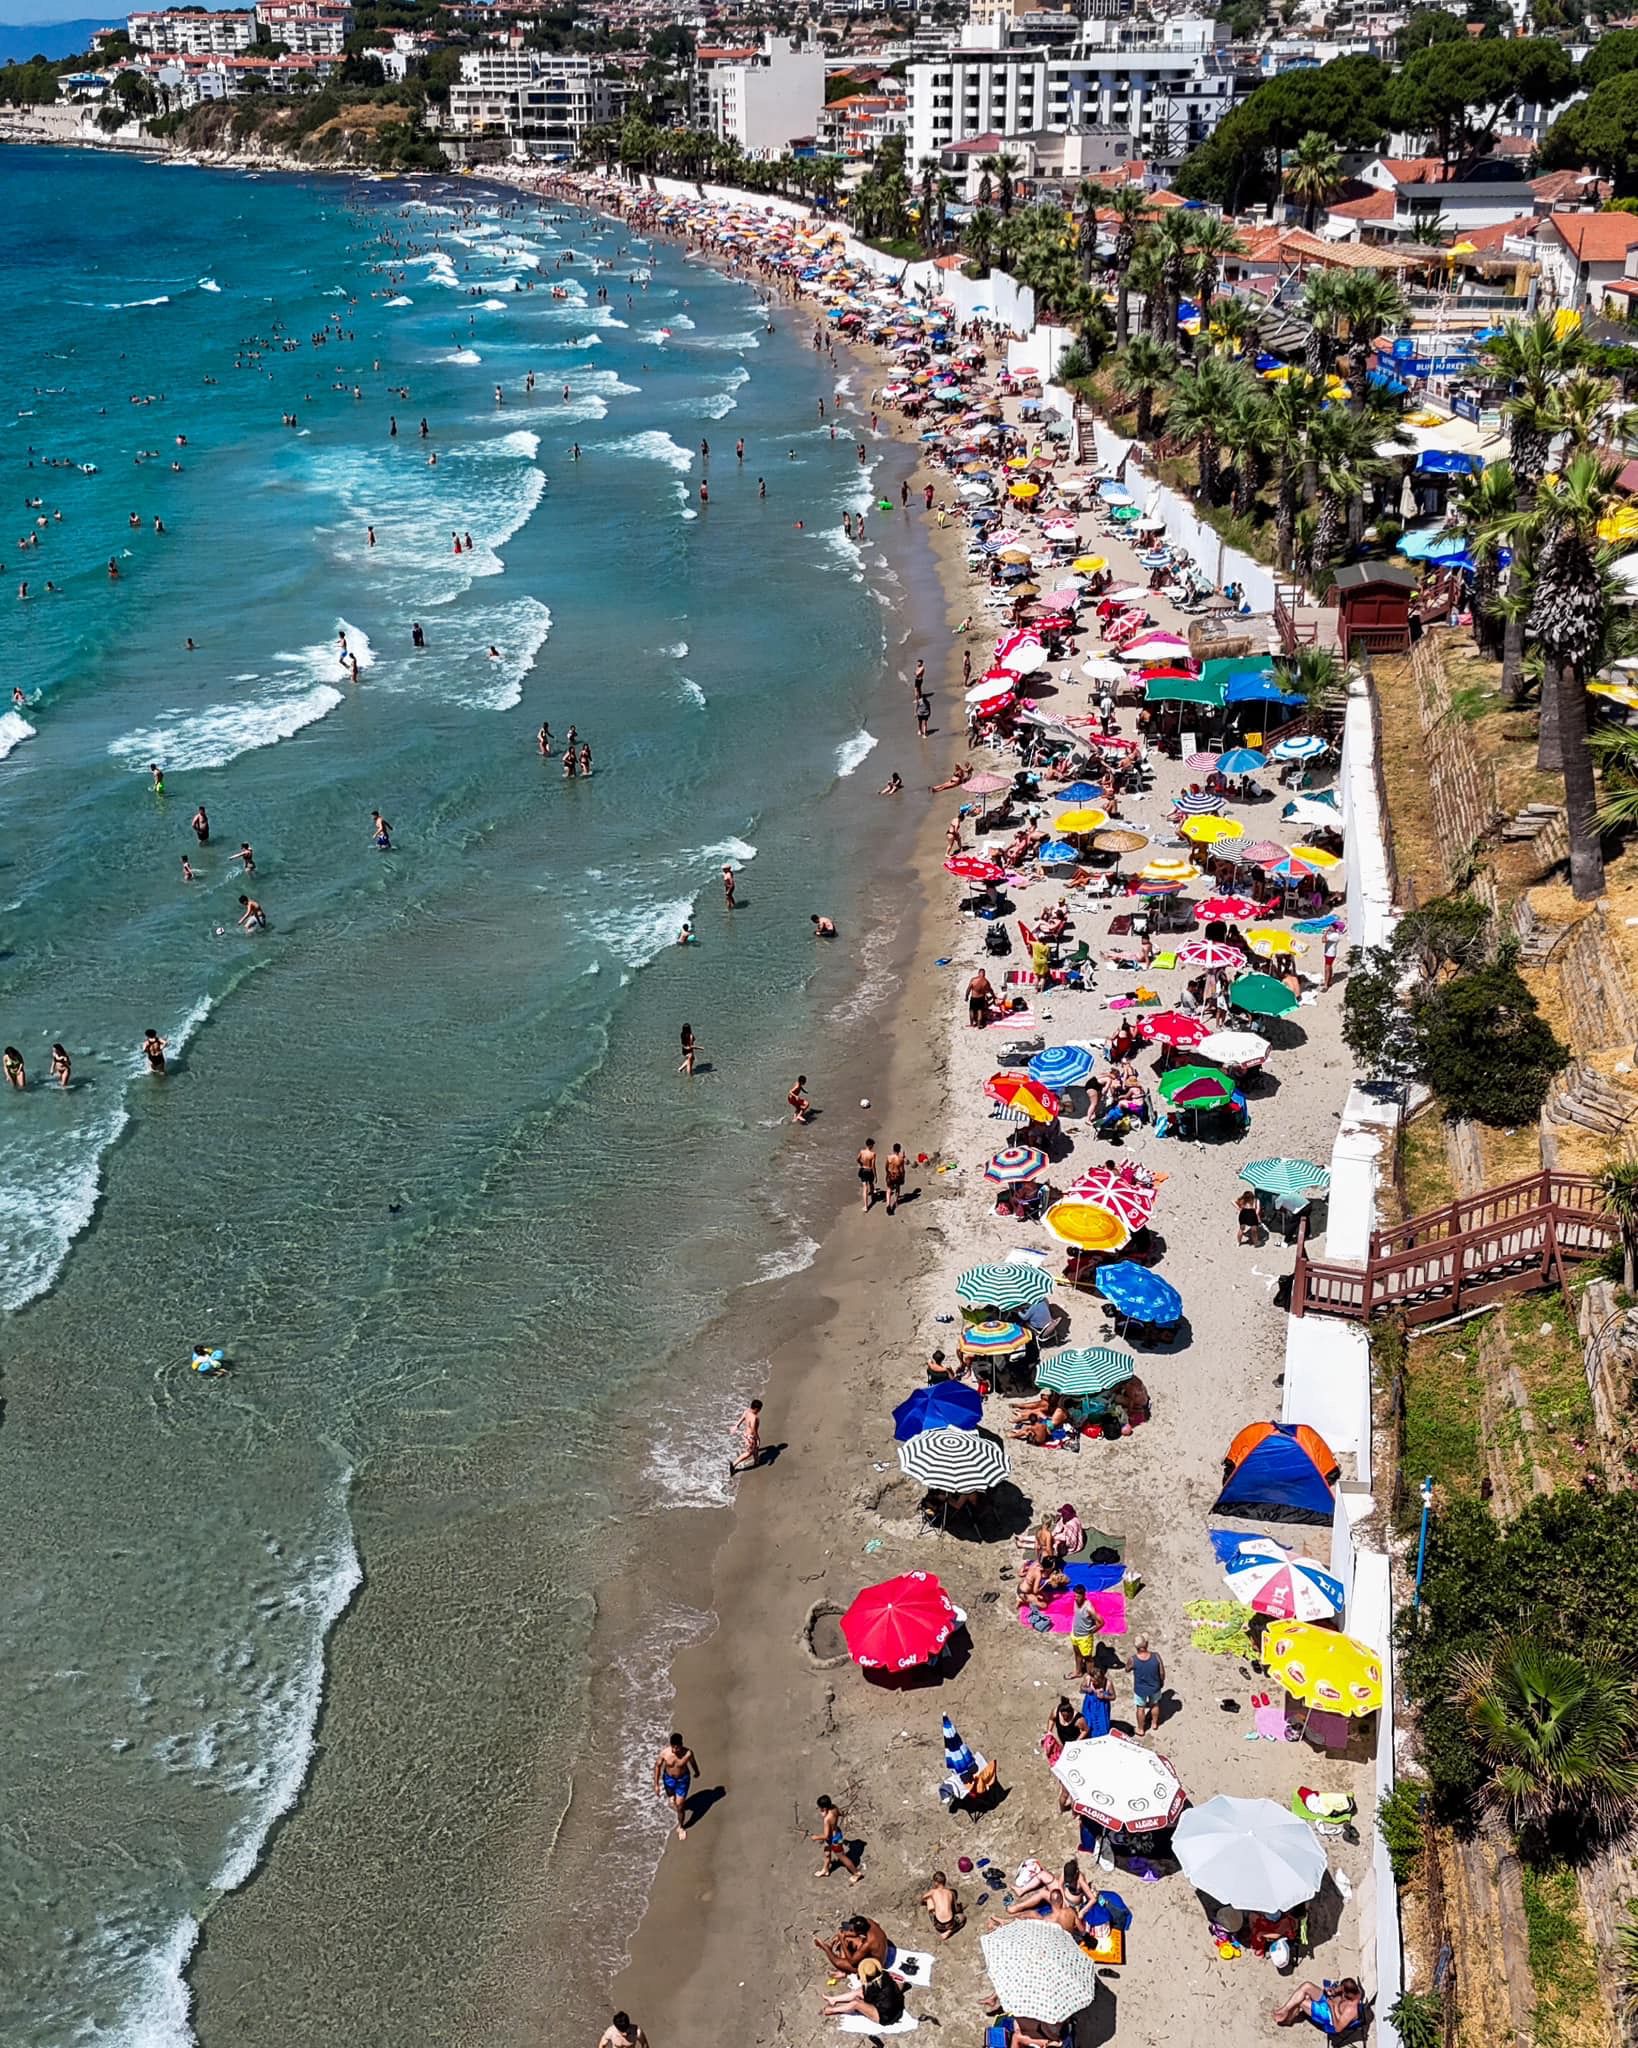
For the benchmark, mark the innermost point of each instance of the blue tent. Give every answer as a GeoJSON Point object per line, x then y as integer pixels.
{"type": "Point", "coordinates": [1279, 1470]}
{"type": "Point", "coordinates": [1446, 462]}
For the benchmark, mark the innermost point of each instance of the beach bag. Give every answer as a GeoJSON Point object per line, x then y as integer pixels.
{"type": "Point", "coordinates": [998, 941]}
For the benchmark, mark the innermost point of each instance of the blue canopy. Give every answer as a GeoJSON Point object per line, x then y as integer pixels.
{"type": "Point", "coordinates": [1057, 853]}
{"type": "Point", "coordinates": [1061, 1066]}
{"type": "Point", "coordinates": [1446, 462]}
{"type": "Point", "coordinates": [1114, 494]}
{"type": "Point", "coordinates": [1384, 380]}
{"type": "Point", "coordinates": [950, 1406]}
{"type": "Point", "coordinates": [1080, 793]}
{"type": "Point", "coordinates": [1418, 546]}
{"type": "Point", "coordinates": [1241, 761]}
{"type": "Point", "coordinates": [1256, 690]}
{"type": "Point", "coordinates": [1137, 1292]}
{"type": "Point", "coordinates": [1276, 1473]}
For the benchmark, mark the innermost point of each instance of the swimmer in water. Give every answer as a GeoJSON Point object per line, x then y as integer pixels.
{"type": "Point", "coordinates": [187, 869]}
{"type": "Point", "coordinates": [62, 1067]}
{"type": "Point", "coordinates": [201, 826]}
{"type": "Point", "coordinates": [417, 637]}
{"type": "Point", "coordinates": [252, 916]}
{"type": "Point", "coordinates": [543, 740]}
{"type": "Point", "coordinates": [158, 775]}
{"type": "Point", "coordinates": [245, 858]}
{"type": "Point", "coordinates": [381, 832]}
{"type": "Point", "coordinates": [11, 1063]}
{"type": "Point", "coordinates": [207, 1359]}
{"type": "Point", "coordinates": [494, 652]}
{"type": "Point", "coordinates": [153, 1050]}
{"type": "Point", "coordinates": [569, 769]}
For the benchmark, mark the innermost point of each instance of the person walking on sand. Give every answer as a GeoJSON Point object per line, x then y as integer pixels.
{"type": "Point", "coordinates": [894, 1168]}
{"type": "Point", "coordinates": [622, 2032]}
{"type": "Point", "coordinates": [690, 1050]}
{"type": "Point", "coordinates": [747, 1433]}
{"type": "Point", "coordinates": [833, 1838]}
{"type": "Point", "coordinates": [1148, 1683]}
{"type": "Point", "coordinates": [1083, 1634]}
{"type": "Point", "coordinates": [675, 1769]}
{"type": "Point", "coordinates": [866, 1161]}
{"type": "Point", "coordinates": [924, 711]}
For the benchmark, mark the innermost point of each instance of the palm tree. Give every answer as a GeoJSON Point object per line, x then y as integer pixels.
{"type": "Point", "coordinates": [1202, 402]}
{"type": "Point", "coordinates": [1173, 240]}
{"type": "Point", "coordinates": [1143, 367]}
{"type": "Point", "coordinates": [1248, 431]}
{"type": "Point", "coordinates": [1234, 327]}
{"type": "Point", "coordinates": [929, 180]}
{"type": "Point", "coordinates": [1569, 619]}
{"type": "Point", "coordinates": [1369, 304]}
{"type": "Point", "coordinates": [980, 238]}
{"type": "Point", "coordinates": [1005, 168]}
{"type": "Point", "coordinates": [1088, 198]}
{"type": "Point", "coordinates": [986, 191]}
{"type": "Point", "coordinates": [1144, 276]}
{"type": "Point", "coordinates": [1293, 407]}
{"type": "Point", "coordinates": [1487, 500]}
{"type": "Point", "coordinates": [946, 193]}
{"type": "Point", "coordinates": [1619, 1185]}
{"type": "Point", "coordinates": [1535, 359]}
{"type": "Point", "coordinates": [1342, 449]}
{"type": "Point", "coordinates": [1322, 309]}
{"type": "Point", "coordinates": [1213, 240]}
{"type": "Point", "coordinates": [1130, 206]}
{"type": "Point", "coordinates": [1584, 403]}
{"type": "Point", "coordinates": [1557, 1731]}
{"type": "Point", "coordinates": [1313, 175]}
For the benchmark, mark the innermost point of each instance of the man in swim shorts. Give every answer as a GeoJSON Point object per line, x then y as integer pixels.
{"type": "Point", "coordinates": [865, 1159]}
{"type": "Point", "coordinates": [675, 1769]}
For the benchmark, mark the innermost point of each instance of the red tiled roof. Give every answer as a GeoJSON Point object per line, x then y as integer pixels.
{"type": "Point", "coordinates": [1557, 185]}
{"type": "Point", "coordinates": [1276, 244]}
{"type": "Point", "coordinates": [1415, 170]}
{"type": "Point", "coordinates": [1488, 241]}
{"type": "Point", "coordinates": [1595, 237]}
{"type": "Point", "coordinates": [1377, 205]}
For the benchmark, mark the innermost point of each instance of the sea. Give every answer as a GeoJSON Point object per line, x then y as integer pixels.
{"type": "Point", "coordinates": [295, 1660]}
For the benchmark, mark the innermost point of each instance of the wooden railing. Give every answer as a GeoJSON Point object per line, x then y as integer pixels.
{"type": "Point", "coordinates": [1511, 1239]}
{"type": "Point", "coordinates": [1293, 632]}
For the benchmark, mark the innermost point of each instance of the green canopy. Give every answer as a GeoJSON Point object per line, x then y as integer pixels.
{"type": "Point", "coordinates": [1093, 1371]}
{"type": "Point", "coordinates": [1262, 995]}
{"type": "Point", "coordinates": [1222, 666]}
{"type": "Point", "coordinates": [1124, 513]}
{"type": "Point", "coordinates": [1285, 1176]}
{"type": "Point", "coordinates": [1183, 690]}
{"type": "Point", "coordinates": [1195, 1087]}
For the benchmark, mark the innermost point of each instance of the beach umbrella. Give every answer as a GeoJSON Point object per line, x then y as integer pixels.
{"type": "Point", "coordinates": [1183, 690]}
{"type": "Point", "coordinates": [1113, 1188]}
{"type": "Point", "coordinates": [1211, 954]}
{"type": "Point", "coordinates": [1321, 808]}
{"type": "Point", "coordinates": [1287, 1588]}
{"type": "Point", "coordinates": [1065, 598]}
{"type": "Point", "coordinates": [947, 1406]}
{"type": "Point", "coordinates": [1133, 1291]}
{"type": "Point", "coordinates": [1197, 803]}
{"type": "Point", "coordinates": [1039, 1970]}
{"type": "Point", "coordinates": [1285, 1176]}
{"type": "Point", "coordinates": [1316, 857]}
{"type": "Point", "coordinates": [1268, 940]}
{"type": "Point", "coordinates": [1098, 669]}
{"type": "Point", "coordinates": [1167, 867]}
{"type": "Point", "coordinates": [960, 1460]}
{"type": "Point", "coordinates": [1234, 1048]}
{"type": "Point", "coordinates": [1224, 909]}
{"type": "Point", "coordinates": [1091, 1371]}
{"type": "Point", "coordinates": [1024, 491]}
{"type": "Point", "coordinates": [958, 1758]}
{"type": "Point", "coordinates": [1026, 661]}
{"type": "Point", "coordinates": [993, 1337]}
{"type": "Point", "coordinates": [1307, 746]}
{"type": "Point", "coordinates": [1062, 1066]}
{"type": "Point", "coordinates": [1212, 831]}
{"type": "Point", "coordinates": [1036, 1101]}
{"type": "Point", "coordinates": [1120, 1784]}
{"type": "Point", "coordinates": [1285, 869]}
{"type": "Point", "coordinates": [972, 867]}
{"type": "Point", "coordinates": [985, 784]}
{"type": "Point", "coordinates": [1119, 839]}
{"type": "Point", "coordinates": [1078, 792]}
{"type": "Point", "coordinates": [1262, 996]}
{"type": "Point", "coordinates": [1172, 1027]}
{"type": "Point", "coordinates": [1087, 1226]}
{"type": "Point", "coordinates": [1195, 1088]}
{"type": "Point", "coordinates": [1156, 885]}
{"type": "Point", "coordinates": [1249, 1853]}
{"type": "Point", "coordinates": [1241, 761]}
{"type": "Point", "coordinates": [1058, 853]}
{"type": "Point", "coordinates": [901, 1623]}
{"type": "Point", "coordinates": [1016, 1163]}
{"type": "Point", "coordinates": [1012, 1285]}
{"type": "Point", "coordinates": [1151, 646]}
{"type": "Point", "coordinates": [1262, 853]}
{"type": "Point", "coordinates": [1089, 565]}
{"type": "Point", "coordinates": [1324, 1669]}
{"type": "Point", "coordinates": [1080, 818]}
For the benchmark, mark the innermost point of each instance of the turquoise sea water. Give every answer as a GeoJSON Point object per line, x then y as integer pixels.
{"type": "Point", "coordinates": [421, 1163]}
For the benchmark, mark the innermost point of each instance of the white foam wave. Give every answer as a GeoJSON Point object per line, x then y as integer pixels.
{"type": "Point", "coordinates": [494, 305]}
{"type": "Point", "coordinates": [415, 510]}
{"type": "Point", "coordinates": [739, 851]}
{"type": "Point", "coordinates": [682, 320]}
{"type": "Point", "coordinates": [751, 339]}
{"type": "Point", "coordinates": [653, 446]}
{"type": "Point", "coordinates": [400, 300]}
{"type": "Point", "coordinates": [209, 284]}
{"type": "Point", "coordinates": [14, 729]}
{"type": "Point", "coordinates": [519, 442]}
{"type": "Point", "coordinates": [689, 1448]}
{"type": "Point", "coordinates": [853, 751]}
{"type": "Point", "coordinates": [789, 1259]}
{"type": "Point", "coordinates": [464, 355]}
{"type": "Point", "coordinates": [473, 676]}
{"type": "Point", "coordinates": [677, 651]}
{"type": "Point", "coordinates": [212, 738]}
{"type": "Point", "coordinates": [639, 931]}
{"type": "Point", "coordinates": [579, 341]}
{"type": "Point", "coordinates": [125, 305]}
{"type": "Point", "coordinates": [692, 691]}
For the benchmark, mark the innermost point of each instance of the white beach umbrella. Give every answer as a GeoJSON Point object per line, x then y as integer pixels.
{"type": "Point", "coordinates": [1099, 670]}
{"type": "Point", "coordinates": [1250, 1853]}
{"type": "Point", "coordinates": [1233, 1048]}
{"type": "Point", "coordinates": [1039, 1971]}
{"type": "Point", "coordinates": [1025, 660]}
{"type": "Point", "coordinates": [1120, 1784]}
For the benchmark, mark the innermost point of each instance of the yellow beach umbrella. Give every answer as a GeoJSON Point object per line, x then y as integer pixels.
{"type": "Point", "coordinates": [1208, 830]}
{"type": "Point", "coordinates": [1268, 939]}
{"type": "Point", "coordinates": [1621, 524]}
{"type": "Point", "coordinates": [1089, 565]}
{"type": "Point", "coordinates": [1086, 1226]}
{"type": "Point", "coordinates": [1324, 1669]}
{"type": "Point", "coordinates": [1167, 869]}
{"type": "Point", "coordinates": [1565, 322]}
{"type": "Point", "coordinates": [1024, 490]}
{"type": "Point", "coordinates": [1278, 375]}
{"type": "Point", "coordinates": [1618, 693]}
{"type": "Point", "coordinates": [1462, 248]}
{"type": "Point", "coordinates": [1316, 857]}
{"type": "Point", "coordinates": [1018, 462]}
{"type": "Point", "coordinates": [1083, 818]}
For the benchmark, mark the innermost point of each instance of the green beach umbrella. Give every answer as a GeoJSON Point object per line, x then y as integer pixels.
{"type": "Point", "coordinates": [1092, 1371]}
{"type": "Point", "coordinates": [1183, 690]}
{"type": "Point", "coordinates": [1222, 666]}
{"type": "Point", "coordinates": [1008, 1286]}
{"type": "Point", "coordinates": [1285, 1176]}
{"type": "Point", "coordinates": [1195, 1087]}
{"type": "Point", "coordinates": [1262, 995]}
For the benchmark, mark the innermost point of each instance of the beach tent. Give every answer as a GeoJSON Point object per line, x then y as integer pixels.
{"type": "Point", "coordinates": [1273, 1465]}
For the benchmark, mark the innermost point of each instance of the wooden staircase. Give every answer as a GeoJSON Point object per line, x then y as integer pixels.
{"type": "Point", "coordinates": [1511, 1239]}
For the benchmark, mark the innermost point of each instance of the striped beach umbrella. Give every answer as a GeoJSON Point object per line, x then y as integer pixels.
{"type": "Point", "coordinates": [1262, 853]}
{"type": "Point", "coordinates": [1195, 1088]}
{"type": "Point", "coordinates": [1211, 954]}
{"type": "Point", "coordinates": [1306, 746]}
{"type": "Point", "coordinates": [1016, 1091]}
{"type": "Point", "coordinates": [1016, 1163]}
{"type": "Point", "coordinates": [947, 1406]}
{"type": "Point", "coordinates": [1289, 1588]}
{"type": "Point", "coordinates": [1172, 1027]}
{"type": "Point", "coordinates": [1285, 1176]}
{"type": "Point", "coordinates": [1154, 886]}
{"type": "Point", "coordinates": [993, 1337]}
{"type": "Point", "coordinates": [1197, 803]}
{"type": "Point", "coordinates": [1062, 1066]}
{"type": "Point", "coordinates": [955, 1460]}
{"type": "Point", "coordinates": [1092, 1371]}
{"type": "Point", "coordinates": [1114, 1188]}
{"type": "Point", "coordinates": [1087, 1226]}
{"type": "Point", "coordinates": [1137, 1293]}
{"type": "Point", "coordinates": [1013, 1285]}
{"type": "Point", "coordinates": [1316, 857]}
{"type": "Point", "coordinates": [1200, 763]}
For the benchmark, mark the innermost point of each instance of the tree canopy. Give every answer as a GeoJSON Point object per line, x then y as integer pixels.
{"type": "Point", "coordinates": [1609, 56]}
{"type": "Point", "coordinates": [1428, 25]}
{"type": "Point", "coordinates": [1601, 130]}
{"type": "Point", "coordinates": [1456, 92]}
{"type": "Point", "coordinates": [1346, 101]}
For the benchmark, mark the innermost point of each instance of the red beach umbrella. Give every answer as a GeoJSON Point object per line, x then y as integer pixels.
{"type": "Point", "coordinates": [1233, 909]}
{"type": "Point", "coordinates": [972, 867]}
{"type": "Point", "coordinates": [901, 1623]}
{"type": "Point", "coordinates": [1007, 1087]}
{"type": "Point", "coordinates": [1128, 1199]}
{"type": "Point", "coordinates": [1171, 1027]}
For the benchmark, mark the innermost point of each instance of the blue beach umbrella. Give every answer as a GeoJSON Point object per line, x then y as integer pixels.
{"type": "Point", "coordinates": [1057, 853]}
{"type": "Point", "coordinates": [1138, 1293]}
{"type": "Point", "coordinates": [1307, 746]}
{"type": "Point", "coordinates": [1061, 1066]}
{"type": "Point", "coordinates": [1241, 761]}
{"type": "Point", "coordinates": [946, 1407]}
{"type": "Point", "coordinates": [1080, 793]}
{"type": "Point", "coordinates": [1256, 690]}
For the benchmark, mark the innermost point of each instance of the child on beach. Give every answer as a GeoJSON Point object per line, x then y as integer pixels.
{"type": "Point", "coordinates": [833, 1837]}
{"type": "Point", "coordinates": [943, 1905]}
{"type": "Point", "coordinates": [747, 1433]}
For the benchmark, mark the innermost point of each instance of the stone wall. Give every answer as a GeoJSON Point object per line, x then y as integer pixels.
{"type": "Point", "coordinates": [1462, 790]}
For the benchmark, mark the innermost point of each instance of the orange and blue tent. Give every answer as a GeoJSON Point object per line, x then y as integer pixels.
{"type": "Point", "coordinates": [1273, 1465]}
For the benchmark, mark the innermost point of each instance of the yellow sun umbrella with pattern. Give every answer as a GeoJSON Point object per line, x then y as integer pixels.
{"type": "Point", "coordinates": [1316, 857]}
{"type": "Point", "coordinates": [1087, 1226]}
{"type": "Point", "coordinates": [1268, 940]}
{"type": "Point", "coordinates": [1316, 1665]}
{"type": "Point", "coordinates": [1623, 694]}
{"type": "Point", "coordinates": [1168, 868]}
{"type": "Point", "coordinates": [1207, 831]}
{"type": "Point", "coordinates": [1082, 818]}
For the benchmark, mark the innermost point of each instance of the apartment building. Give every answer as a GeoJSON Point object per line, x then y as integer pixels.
{"type": "Point", "coordinates": [538, 97]}
{"type": "Point", "coordinates": [319, 28]}
{"type": "Point", "coordinates": [762, 96]}
{"type": "Point", "coordinates": [183, 81]}
{"type": "Point", "coordinates": [192, 32]}
{"type": "Point", "coordinates": [855, 127]}
{"type": "Point", "coordinates": [1166, 83]}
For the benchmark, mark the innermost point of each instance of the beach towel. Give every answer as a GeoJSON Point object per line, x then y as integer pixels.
{"type": "Point", "coordinates": [1109, 1606]}
{"type": "Point", "coordinates": [912, 1966]}
{"type": "Point", "coordinates": [1016, 1020]}
{"type": "Point", "coordinates": [856, 2023]}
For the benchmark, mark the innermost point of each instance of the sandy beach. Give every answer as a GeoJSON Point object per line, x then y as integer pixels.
{"type": "Point", "coordinates": [726, 1943]}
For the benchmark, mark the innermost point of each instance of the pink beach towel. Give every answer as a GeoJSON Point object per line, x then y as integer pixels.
{"type": "Point", "coordinates": [1109, 1607]}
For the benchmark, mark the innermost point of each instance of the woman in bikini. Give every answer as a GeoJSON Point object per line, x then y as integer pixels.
{"type": "Point", "coordinates": [11, 1062]}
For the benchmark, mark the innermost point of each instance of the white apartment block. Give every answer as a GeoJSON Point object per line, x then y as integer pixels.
{"type": "Point", "coordinates": [319, 28]}
{"type": "Point", "coordinates": [192, 32]}
{"type": "Point", "coordinates": [184, 81]}
{"type": "Point", "coordinates": [1167, 84]}
{"type": "Point", "coordinates": [763, 98]}
{"type": "Point", "coordinates": [535, 96]}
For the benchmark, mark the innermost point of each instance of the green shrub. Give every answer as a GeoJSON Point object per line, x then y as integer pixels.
{"type": "Point", "coordinates": [1418, 2017]}
{"type": "Point", "coordinates": [1399, 1821]}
